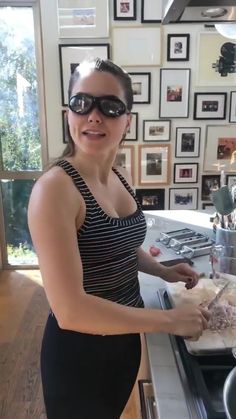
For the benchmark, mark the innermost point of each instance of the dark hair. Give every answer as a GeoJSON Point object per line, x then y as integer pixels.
{"type": "Point", "coordinates": [104, 66]}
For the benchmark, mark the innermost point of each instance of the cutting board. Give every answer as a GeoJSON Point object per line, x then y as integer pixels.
{"type": "Point", "coordinates": [210, 341]}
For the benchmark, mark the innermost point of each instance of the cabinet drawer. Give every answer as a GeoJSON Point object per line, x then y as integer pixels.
{"type": "Point", "coordinates": [147, 400]}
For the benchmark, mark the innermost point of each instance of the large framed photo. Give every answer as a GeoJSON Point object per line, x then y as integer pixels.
{"type": "Point", "coordinates": [125, 158]}
{"type": "Point", "coordinates": [215, 60]}
{"type": "Point", "coordinates": [174, 93]}
{"type": "Point", "coordinates": [209, 105]}
{"type": "Point", "coordinates": [232, 110]}
{"type": "Point", "coordinates": [156, 130]}
{"type": "Point", "coordinates": [83, 19]}
{"type": "Point", "coordinates": [125, 10]}
{"type": "Point", "coordinates": [183, 198]}
{"type": "Point", "coordinates": [136, 46]}
{"type": "Point", "coordinates": [187, 142]}
{"type": "Point", "coordinates": [141, 86]}
{"type": "Point", "coordinates": [231, 180]}
{"type": "Point", "coordinates": [71, 55]}
{"type": "Point", "coordinates": [209, 183]}
{"type": "Point", "coordinates": [178, 47]}
{"type": "Point", "coordinates": [151, 199]}
{"type": "Point", "coordinates": [65, 128]}
{"type": "Point", "coordinates": [154, 164]}
{"type": "Point", "coordinates": [132, 133]}
{"type": "Point", "coordinates": [185, 172]}
{"type": "Point", "coordinates": [220, 148]}
{"type": "Point", "coordinates": [151, 11]}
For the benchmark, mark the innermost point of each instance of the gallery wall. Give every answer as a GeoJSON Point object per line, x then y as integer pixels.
{"type": "Point", "coordinates": [186, 139]}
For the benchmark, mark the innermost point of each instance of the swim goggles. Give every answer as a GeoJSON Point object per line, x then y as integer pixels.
{"type": "Point", "coordinates": [83, 103]}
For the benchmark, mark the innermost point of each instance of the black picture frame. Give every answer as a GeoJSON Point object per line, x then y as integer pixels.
{"type": "Point", "coordinates": [154, 14]}
{"type": "Point", "coordinates": [187, 142]}
{"type": "Point", "coordinates": [121, 14]}
{"type": "Point", "coordinates": [209, 182]}
{"type": "Point", "coordinates": [183, 198]}
{"type": "Point", "coordinates": [174, 92]}
{"type": "Point", "coordinates": [132, 135]}
{"type": "Point", "coordinates": [156, 130]}
{"type": "Point", "coordinates": [205, 205]}
{"type": "Point", "coordinates": [232, 108]}
{"type": "Point", "coordinates": [141, 85]}
{"type": "Point", "coordinates": [209, 105]}
{"type": "Point", "coordinates": [186, 172]}
{"type": "Point", "coordinates": [178, 46]}
{"type": "Point", "coordinates": [151, 199]}
{"type": "Point", "coordinates": [230, 180]}
{"type": "Point", "coordinates": [65, 127]}
{"type": "Point", "coordinates": [70, 55]}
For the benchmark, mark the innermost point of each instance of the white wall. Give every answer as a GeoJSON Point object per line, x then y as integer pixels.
{"type": "Point", "coordinates": [148, 111]}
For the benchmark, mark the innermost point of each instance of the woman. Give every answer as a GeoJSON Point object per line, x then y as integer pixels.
{"type": "Point", "coordinates": [88, 228]}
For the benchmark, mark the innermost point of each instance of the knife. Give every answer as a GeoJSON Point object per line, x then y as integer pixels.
{"type": "Point", "coordinates": [217, 296]}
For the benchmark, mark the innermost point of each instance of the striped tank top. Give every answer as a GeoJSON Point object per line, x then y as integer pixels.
{"type": "Point", "coordinates": [108, 246]}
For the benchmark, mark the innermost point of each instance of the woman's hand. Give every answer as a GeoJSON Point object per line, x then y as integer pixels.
{"type": "Point", "coordinates": [181, 272]}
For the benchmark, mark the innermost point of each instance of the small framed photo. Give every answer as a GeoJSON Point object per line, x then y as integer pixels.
{"type": "Point", "coordinates": [132, 133]}
{"type": "Point", "coordinates": [156, 130]}
{"type": "Point", "coordinates": [151, 11]}
{"type": "Point", "coordinates": [185, 172]}
{"type": "Point", "coordinates": [71, 55]}
{"type": "Point", "coordinates": [209, 105]}
{"type": "Point", "coordinates": [178, 47]}
{"type": "Point", "coordinates": [151, 199]}
{"type": "Point", "coordinates": [125, 159]}
{"type": "Point", "coordinates": [142, 46]}
{"type": "Point", "coordinates": [141, 86]}
{"type": "Point", "coordinates": [154, 164]}
{"type": "Point", "coordinates": [208, 205]}
{"type": "Point", "coordinates": [231, 180]}
{"type": "Point", "coordinates": [232, 110]}
{"type": "Point", "coordinates": [125, 10]}
{"type": "Point", "coordinates": [220, 148]}
{"type": "Point", "coordinates": [209, 183]}
{"type": "Point", "coordinates": [183, 199]}
{"type": "Point", "coordinates": [174, 93]}
{"type": "Point", "coordinates": [80, 19]}
{"type": "Point", "coordinates": [65, 128]}
{"type": "Point", "coordinates": [187, 142]}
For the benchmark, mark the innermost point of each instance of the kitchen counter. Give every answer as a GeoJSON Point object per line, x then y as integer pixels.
{"type": "Point", "coordinates": [168, 387]}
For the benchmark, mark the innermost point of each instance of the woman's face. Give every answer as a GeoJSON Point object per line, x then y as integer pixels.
{"type": "Point", "coordinates": [95, 132]}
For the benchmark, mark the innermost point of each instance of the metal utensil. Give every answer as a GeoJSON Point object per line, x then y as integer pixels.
{"type": "Point", "coordinates": [217, 296]}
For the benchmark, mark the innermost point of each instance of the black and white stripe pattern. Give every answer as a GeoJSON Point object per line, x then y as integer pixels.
{"type": "Point", "coordinates": [108, 246]}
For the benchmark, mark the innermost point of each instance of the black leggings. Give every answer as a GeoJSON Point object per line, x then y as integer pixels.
{"type": "Point", "coordinates": [87, 376]}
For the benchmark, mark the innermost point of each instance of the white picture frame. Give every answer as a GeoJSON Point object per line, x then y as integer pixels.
{"type": "Point", "coordinates": [125, 159]}
{"type": "Point", "coordinates": [209, 57]}
{"type": "Point", "coordinates": [132, 133]}
{"type": "Point", "coordinates": [71, 55]}
{"type": "Point", "coordinates": [220, 148]}
{"type": "Point", "coordinates": [154, 163]}
{"type": "Point", "coordinates": [83, 19]}
{"type": "Point", "coordinates": [187, 142]}
{"type": "Point", "coordinates": [136, 46]}
{"type": "Point", "coordinates": [174, 93]}
{"type": "Point", "coordinates": [232, 109]}
{"type": "Point", "coordinates": [156, 130]}
{"type": "Point", "coordinates": [183, 198]}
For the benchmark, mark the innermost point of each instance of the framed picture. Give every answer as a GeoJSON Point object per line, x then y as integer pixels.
{"type": "Point", "coordinates": [220, 148]}
{"type": "Point", "coordinates": [65, 128]}
{"type": "Point", "coordinates": [125, 10]}
{"type": "Point", "coordinates": [187, 142]}
{"type": "Point", "coordinates": [185, 172]}
{"type": "Point", "coordinates": [125, 158]}
{"type": "Point", "coordinates": [141, 86]}
{"type": "Point", "coordinates": [215, 60]}
{"type": "Point", "coordinates": [231, 180]}
{"type": "Point", "coordinates": [206, 205]}
{"type": "Point", "coordinates": [154, 130]}
{"type": "Point", "coordinates": [151, 11]}
{"type": "Point", "coordinates": [80, 19]}
{"type": "Point", "coordinates": [209, 183]}
{"type": "Point", "coordinates": [142, 46]}
{"type": "Point", "coordinates": [154, 164]}
{"type": "Point", "coordinates": [232, 109]}
{"type": "Point", "coordinates": [183, 198]}
{"type": "Point", "coordinates": [151, 199]}
{"type": "Point", "coordinates": [71, 55]}
{"type": "Point", "coordinates": [174, 93]}
{"type": "Point", "coordinates": [132, 133]}
{"type": "Point", "coordinates": [178, 47]}
{"type": "Point", "coordinates": [209, 105]}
